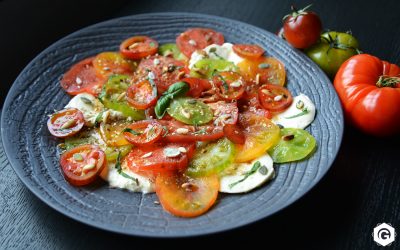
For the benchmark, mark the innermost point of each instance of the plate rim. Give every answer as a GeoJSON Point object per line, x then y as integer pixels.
{"type": "Point", "coordinates": [111, 228]}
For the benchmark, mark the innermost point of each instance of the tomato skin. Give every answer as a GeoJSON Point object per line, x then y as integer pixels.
{"type": "Point", "coordinates": [146, 46]}
{"type": "Point", "coordinates": [82, 77]}
{"type": "Point", "coordinates": [375, 110]}
{"type": "Point", "coordinates": [267, 94]}
{"type": "Point", "coordinates": [150, 132]}
{"type": "Point", "coordinates": [58, 119]}
{"type": "Point", "coordinates": [302, 29]}
{"type": "Point", "coordinates": [196, 39]}
{"type": "Point", "coordinates": [249, 51]}
{"type": "Point", "coordinates": [141, 95]}
{"type": "Point", "coordinates": [197, 86]}
{"type": "Point", "coordinates": [73, 169]}
{"type": "Point", "coordinates": [225, 84]}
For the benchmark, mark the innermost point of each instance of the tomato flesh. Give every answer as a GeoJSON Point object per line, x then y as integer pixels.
{"type": "Point", "coordinates": [144, 132]}
{"type": "Point", "coordinates": [234, 133]}
{"type": "Point", "coordinates": [224, 113]}
{"type": "Point", "coordinates": [249, 51]}
{"type": "Point", "coordinates": [109, 63]}
{"type": "Point", "coordinates": [268, 69]}
{"type": "Point", "coordinates": [66, 122]}
{"type": "Point", "coordinates": [142, 95]}
{"type": "Point", "coordinates": [196, 39]}
{"type": "Point", "coordinates": [138, 47]}
{"type": "Point", "coordinates": [112, 134]}
{"type": "Point", "coordinates": [230, 85]}
{"type": "Point", "coordinates": [274, 98]}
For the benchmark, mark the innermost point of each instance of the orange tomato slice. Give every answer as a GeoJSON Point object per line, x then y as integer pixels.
{"type": "Point", "coordinates": [269, 69]}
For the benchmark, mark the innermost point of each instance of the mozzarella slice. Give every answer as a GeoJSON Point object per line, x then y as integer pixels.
{"type": "Point", "coordinates": [224, 51]}
{"type": "Point", "coordinates": [88, 104]}
{"type": "Point", "coordinates": [252, 181]}
{"type": "Point", "coordinates": [302, 121]}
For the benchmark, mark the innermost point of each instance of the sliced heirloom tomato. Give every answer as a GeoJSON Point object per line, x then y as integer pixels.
{"type": "Point", "coordinates": [230, 85]}
{"type": "Point", "coordinates": [66, 122]}
{"type": "Point", "coordinates": [82, 165]}
{"type": "Point", "coordinates": [249, 51]}
{"type": "Point", "coordinates": [187, 197]}
{"type": "Point", "coordinates": [143, 133]}
{"type": "Point", "coordinates": [274, 98]}
{"type": "Point", "coordinates": [234, 133]}
{"type": "Point", "coordinates": [82, 77]}
{"type": "Point", "coordinates": [138, 47]}
{"type": "Point", "coordinates": [112, 134]}
{"type": "Point", "coordinates": [109, 63]}
{"type": "Point", "coordinates": [224, 113]}
{"type": "Point", "coordinates": [190, 111]}
{"type": "Point", "coordinates": [160, 158]}
{"type": "Point", "coordinates": [196, 39]}
{"type": "Point", "coordinates": [260, 133]}
{"type": "Point", "coordinates": [142, 94]}
{"type": "Point", "coordinates": [263, 70]}
{"type": "Point", "coordinates": [197, 86]}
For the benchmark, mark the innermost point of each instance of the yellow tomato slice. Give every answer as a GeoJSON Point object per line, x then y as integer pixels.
{"type": "Point", "coordinates": [186, 197]}
{"type": "Point", "coordinates": [260, 133]}
{"type": "Point", "coordinates": [113, 134]}
{"type": "Point", "coordinates": [268, 69]}
{"type": "Point", "coordinates": [109, 63]}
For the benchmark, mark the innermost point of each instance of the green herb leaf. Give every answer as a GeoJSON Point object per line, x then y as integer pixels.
{"type": "Point", "coordinates": [119, 169]}
{"type": "Point", "coordinates": [175, 90]}
{"type": "Point", "coordinates": [86, 101]}
{"type": "Point", "coordinates": [98, 119]}
{"type": "Point", "coordinates": [303, 112]}
{"type": "Point", "coordinates": [129, 130]}
{"type": "Point", "coordinates": [254, 169]}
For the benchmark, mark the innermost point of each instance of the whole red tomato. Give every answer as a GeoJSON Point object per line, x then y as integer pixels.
{"type": "Point", "coordinates": [369, 90]}
{"type": "Point", "coordinates": [302, 28]}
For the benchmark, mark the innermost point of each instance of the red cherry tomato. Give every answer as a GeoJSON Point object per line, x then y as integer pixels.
{"type": "Point", "coordinates": [81, 165]}
{"type": "Point", "coordinates": [196, 39]}
{"type": "Point", "coordinates": [234, 133]}
{"type": "Point", "coordinates": [66, 122]}
{"type": "Point", "coordinates": [230, 85]}
{"type": "Point", "coordinates": [82, 77]}
{"type": "Point", "coordinates": [302, 28]}
{"type": "Point", "coordinates": [142, 94]}
{"type": "Point", "coordinates": [249, 51]}
{"type": "Point", "coordinates": [274, 98]}
{"type": "Point", "coordinates": [138, 47]}
{"type": "Point", "coordinates": [143, 133]}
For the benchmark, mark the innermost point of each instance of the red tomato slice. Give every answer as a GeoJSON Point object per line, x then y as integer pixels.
{"type": "Point", "coordinates": [197, 86]}
{"type": "Point", "coordinates": [66, 122]}
{"type": "Point", "coordinates": [82, 164]}
{"type": "Point", "coordinates": [274, 98]}
{"type": "Point", "coordinates": [138, 47]}
{"type": "Point", "coordinates": [141, 95]}
{"type": "Point", "coordinates": [82, 77]}
{"type": "Point", "coordinates": [224, 113]}
{"type": "Point", "coordinates": [249, 51]}
{"type": "Point", "coordinates": [230, 85]}
{"type": "Point", "coordinates": [143, 133]}
{"type": "Point", "coordinates": [234, 133]}
{"type": "Point", "coordinates": [109, 63]}
{"type": "Point", "coordinates": [179, 132]}
{"type": "Point", "coordinates": [164, 71]}
{"type": "Point", "coordinates": [263, 70]}
{"type": "Point", "coordinates": [187, 197]}
{"type": "Point", "coordinates": [197, 38]}
{"type": "Point", "coordinates": [159, 158]}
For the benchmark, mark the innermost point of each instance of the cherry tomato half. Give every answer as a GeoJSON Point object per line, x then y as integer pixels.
{"type": "Point", "coordinates": [81, 165]}
{"type": "Point", "coordinates": [144, 132]}
{"type": "Point", "coordinates": [142, 94]}
{"type": "Point", "coordinates": [197, 39]}
{"type": "Point", "coordinates": [249, 51]}
{"type": "Point", "coordinates": [230, 85]}
{"type": "Point", "coordinates": [138, 47]}
{"type": "Point", "coordinates": [66, 122]}
{"type": "Point", "coordinates": [274, 98]}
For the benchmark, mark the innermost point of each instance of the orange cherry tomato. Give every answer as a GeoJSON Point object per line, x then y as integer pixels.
{"type": "Point", "coordinates": [249, 51]}
{"type": "Point", "coordinates": [187, 197]}
{"type": "Point", "coordinates": [81, 165]}
{"type": "Point", "coordinates": [263, 70]}
{"type": "Point", "coordinates": [197, 39]}
{"type": "Point", "coordinates": [142, 94]}
{"type": "Point", "coordinates": [274, 98]}
{"type": "Point", "coordinates": [230, 85]}
{"type": "Point", "coordinates": [66, 122]}
{"type": "Point", "coordinates": [138, 47]}
{"type": "Point", "coordinates": [143, 133]}
{"type": "Point", "coordinates": [109, 63]}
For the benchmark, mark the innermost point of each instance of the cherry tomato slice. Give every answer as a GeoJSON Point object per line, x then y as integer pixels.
{"type": "Point", "coordinates": [249, 51]}
{"type": "Point", "coordinates": [196, 39]}
{"type": "Point", "coordinates": [142, 95]}
{"type": "Point", "coordinates": [274, 98]}
{"type": "Point", "coordinates": [110, 63]}
{"type": "Point", "coordinates": [138, 47]}
{"type": "Point", "coordinates": [197, 86]}
{"type": "Point", "coordinates": [230, 85]}
{"type": "Point", "coordinates": [81, 165]}
{"type": "Point", "coordinates": [224, 113]}
{"type": "Point", "coordinates": [66, 122]}
{"type": "Point", "coordinates": [82, 77]}
{"type": "Point", "coordinates": [263, 70]}
{"type": "Point", "coordinates": [234, 133]}
{"type": "Point", "coordinates": [143, 133]}
{"type": "Point", "coordinates": [159, 158]}
{"type": "Point", "coordinates": [187, 197]}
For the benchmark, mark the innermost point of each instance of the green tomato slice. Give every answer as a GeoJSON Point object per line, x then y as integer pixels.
{"type": "Point", "coordinates": [295, 144]}
{"type": "Point", "coordinates": [171, 49]}
{"type": "Point", "coordinates": [190, 111]}
{"type": "Point", "coordinates": [212, 158]}
{"type": "Point", "coordinates": [112, 152]}
{"type": "Point", "coordinates": [112, 97]}
{"type": "Point", "coordinates": [205, 68]}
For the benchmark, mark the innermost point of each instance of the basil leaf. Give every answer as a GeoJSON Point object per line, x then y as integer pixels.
{"type": "Point", "coordinates": [119, 169]}
{"type": "Point", "coordinates": [129, 130]}
{"type": "Point", "coordinates": [161, 106]}
{"type": "Point", "coordinates": [175, 90]}
{"type": "Point", "coordinates": [254, 169]}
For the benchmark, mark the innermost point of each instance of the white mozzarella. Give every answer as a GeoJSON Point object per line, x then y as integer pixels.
{"type": "Point", "coordinates": [252, 181]}
{"type": "Point", "coordinates": [88, 104]}
{"type": "Point", "coordinates": [297, 122]}
{"type": "Point", "coordinates": [224, 51]}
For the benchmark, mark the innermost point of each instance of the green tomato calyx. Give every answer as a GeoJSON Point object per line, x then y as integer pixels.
{"type": "Point", "coordinates": [296, 12]}
{"type": "Point", "coordinates": [388, 81]}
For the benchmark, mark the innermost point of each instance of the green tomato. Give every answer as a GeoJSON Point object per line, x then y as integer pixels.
{"type": "Point", "coordinates": [212, 158]}
{"type": "Point", "coordinates": [205, 68]}
{"type": "Point", "coordinates": [171, 48]}
{"type": "Point", "coordinates": [190, 111]}
{"type": "Point", "coordinates": [332, 50]}
{"type": "Point", "coordinates": [295, 144]}
{"type": "Point", "coordinates": [112, 97]}
{"type": "Point", "coordinates": [112, 152]}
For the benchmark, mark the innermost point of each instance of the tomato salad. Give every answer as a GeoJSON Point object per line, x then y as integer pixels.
{"type": "Point", "coordinates": [186, 120]}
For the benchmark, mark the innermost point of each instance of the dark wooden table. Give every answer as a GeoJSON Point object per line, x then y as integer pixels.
{"type": "Point", "coordinates": [361, 189]}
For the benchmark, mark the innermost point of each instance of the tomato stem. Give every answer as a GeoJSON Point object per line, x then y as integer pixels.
{"type": "Point", "coordinates": [297, 12]}
{"type": "Point", "coordinates": [388, 81]}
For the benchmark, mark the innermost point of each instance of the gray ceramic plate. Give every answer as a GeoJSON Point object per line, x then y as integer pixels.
{"type": "Point", "coordinates": [32, 150]}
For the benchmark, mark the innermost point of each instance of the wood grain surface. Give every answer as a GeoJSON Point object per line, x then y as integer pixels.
{"type": "Point", "coordinates": [361, 189]}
